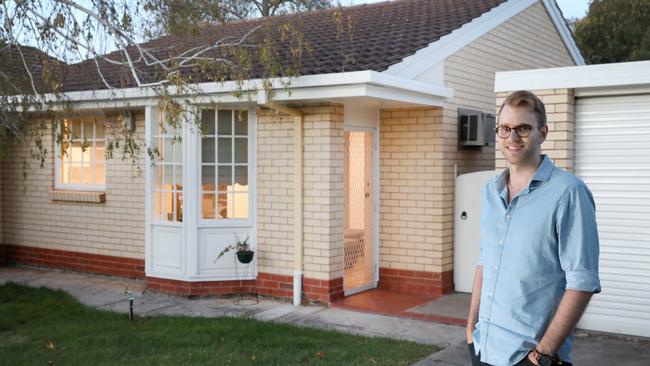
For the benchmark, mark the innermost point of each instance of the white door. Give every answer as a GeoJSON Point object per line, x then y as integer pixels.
{"type": "Point", "coordinates": [467, 222]}
{"type": "Point", "coordinates": [612, 155]}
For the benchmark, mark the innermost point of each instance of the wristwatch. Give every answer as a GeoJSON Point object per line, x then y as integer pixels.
{"type": "Point", "coordinates": [542, 359]}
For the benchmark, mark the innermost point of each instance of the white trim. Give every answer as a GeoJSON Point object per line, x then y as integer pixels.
{"type": "Point", "coordinates": [414, 65]}
{"type": "Point", "coordinates": [150, 118]}
{"type": "Point", "coordinates": [354, 84]}
{"type": "Point", "coordinates": [563, 30]}
{"type": "Point", "coordinates": [587, 76]}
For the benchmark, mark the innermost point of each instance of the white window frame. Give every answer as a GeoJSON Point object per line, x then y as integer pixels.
{"type": "Point", "coordinates": [169, 164]}
{"type": "Point", "coordinates": [252, 181]}
{"type": "Point", "coordinates": [58, 184]}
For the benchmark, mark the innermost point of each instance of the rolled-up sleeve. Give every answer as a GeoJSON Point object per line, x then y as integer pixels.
{"type": "Point", "coordinates": [578, 245]}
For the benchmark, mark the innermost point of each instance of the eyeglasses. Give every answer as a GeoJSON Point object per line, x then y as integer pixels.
{"type": "Point", "coordinates": [521, 131]}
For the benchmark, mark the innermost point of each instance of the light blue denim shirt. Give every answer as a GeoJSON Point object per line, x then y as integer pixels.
{"type": "Point", "coordinates": [533, 249]}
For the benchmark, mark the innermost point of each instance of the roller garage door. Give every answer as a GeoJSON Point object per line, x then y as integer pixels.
{"type": "Point", "coordinates": [612, 155]}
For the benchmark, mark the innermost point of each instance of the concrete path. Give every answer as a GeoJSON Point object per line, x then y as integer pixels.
{"type": "Point", "coordinates": [108, 293]}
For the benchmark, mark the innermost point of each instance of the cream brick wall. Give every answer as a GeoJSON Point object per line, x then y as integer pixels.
{"type": "Point", "coordinates": [528, 40]}
{"type": "Point", "coordinates": [323, 191]}
{"type": "Point", "coordinates": [560, 113]}
{"type": "Point", "coordinates": [114, 228]}
{"type": "Point", "coordinates": [413, 219]}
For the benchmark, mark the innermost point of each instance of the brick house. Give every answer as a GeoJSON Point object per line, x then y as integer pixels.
{"type": "Point", "coordinates": [343, 184]}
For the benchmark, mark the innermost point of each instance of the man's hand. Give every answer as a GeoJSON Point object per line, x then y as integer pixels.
{"type": "Point", "coordinates": [472, 317]}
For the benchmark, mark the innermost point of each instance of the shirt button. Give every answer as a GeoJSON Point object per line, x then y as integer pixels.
{"type": "Point", "coordinates": [507, 216]}
{"type": "Point", "coordinates": [500, 241]}
{"type": "Point", "coordinates": [496, 268]}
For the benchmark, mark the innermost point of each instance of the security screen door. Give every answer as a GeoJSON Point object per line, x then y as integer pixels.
{"type": "Point", "coordinates": [358, 217]}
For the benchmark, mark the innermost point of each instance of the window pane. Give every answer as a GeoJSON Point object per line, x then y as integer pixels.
{"type": "Point", "coordinates": [208, 204]}
{"type": "Point", "coordinates": [75, 151]}
{"type": "Point", "coordinates": [224, 122]}
{"type": "Point", "coordinates": [207, 178]}
{"type": "Point", "coordinates": [100, 175]}
{"type": "Point", "coordinates": [86, 151]}
{"type": "Point", "coordinates": [178, 151]}
{"type": "Point", "coordinates": [168, 171]}
{"type": "Point", "coordinates": [222, 206]}
{"type": "Point", "coordinates": [158, 177]}
{"type": "Point", "coordinates": [207, 121]}
{"type": "Point", "coordinates": [65, 172]}
{"type": "Point", "coordinates": [179, 177]}
{"type": "Point", "coordinates": [225, 150]}
{"type": "Point", "coordinates": [87, 131]}
{"type": "Point", "coordinates": [225, 177]}
{"type": "Point", "coordinates": [87, 177]}
{"type": "Point", "coordinates": [100, 131]}
{"type": "Point", "coordinates": [179, 206]}
{"type": "Point", "coordinates": [167, 152]}
{"type": "Point", "coordinates": [241, 150]}
{"type": "Point", "coordinates": [241, 178]}
{"type": "Point", "coordinates": [207, 150]}
{"type": "Point", "coordinates": [241, 206]}
{"type": "Point", "coordinates": [241, 123]}
{"type": "Point", "coordinates": [168, 206]}
{"type": "Point", "coordinates": [157, 206]}
{"type": "Point", "coordinates": [75, 173]}
{"type": "Point", "coordinates": [99, 151]}
{"type": "Point", "coordinates": [71, 129]}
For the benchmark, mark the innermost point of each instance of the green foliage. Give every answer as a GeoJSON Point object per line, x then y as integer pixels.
{"type": "Point", "coordinates": [41, 327]}
{"type": "Point", "coordinates": [615, 31]}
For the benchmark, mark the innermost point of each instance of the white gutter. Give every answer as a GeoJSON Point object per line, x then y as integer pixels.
{"type": "Point", "coordinates": [297, 191]}
{"type": "Point", "coordinates": [588, 76]}
{"type": "Point", "coordinates": [350, 84]}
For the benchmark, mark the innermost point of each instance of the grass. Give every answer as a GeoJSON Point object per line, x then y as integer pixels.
{"type": "Point", "coordinates": [46, 327]}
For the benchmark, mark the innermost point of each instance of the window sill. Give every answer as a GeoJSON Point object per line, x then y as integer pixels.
{"type": "Point", "coordinates": [77, 196]}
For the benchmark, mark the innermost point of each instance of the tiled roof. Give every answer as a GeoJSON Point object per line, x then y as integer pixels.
{"type": "Point", "coordinates": [380, 35]}
{"type": "Point", "coordinates": [14, 58]}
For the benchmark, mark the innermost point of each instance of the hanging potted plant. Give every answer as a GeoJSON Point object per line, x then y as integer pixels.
{"type": "Point", "coordinates": [242, 250]}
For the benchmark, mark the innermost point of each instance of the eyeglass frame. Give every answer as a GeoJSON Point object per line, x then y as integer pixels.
{"type": "Point", "coordinates": [530, 129]}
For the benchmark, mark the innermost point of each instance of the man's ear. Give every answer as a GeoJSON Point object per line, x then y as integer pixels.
{"type": "Point", "coordinates": [543, 132]}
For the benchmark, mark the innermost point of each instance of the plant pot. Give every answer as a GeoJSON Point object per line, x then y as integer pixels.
{"type": "Point", "coordinates": [245, 256]}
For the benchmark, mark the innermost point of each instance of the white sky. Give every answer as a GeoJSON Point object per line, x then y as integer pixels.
{"type": "Point", "coordinates": [570, 8]}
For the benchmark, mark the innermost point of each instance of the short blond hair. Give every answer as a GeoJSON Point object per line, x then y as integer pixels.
{"type": "Point", "coordinates": [524, 98]}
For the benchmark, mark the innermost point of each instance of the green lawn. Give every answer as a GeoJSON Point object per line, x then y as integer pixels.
{"type": "Point", "coordinates": [46, 327]}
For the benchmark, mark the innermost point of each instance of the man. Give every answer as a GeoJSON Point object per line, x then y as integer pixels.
{"type": "Point", "coordinates": [539, 250]}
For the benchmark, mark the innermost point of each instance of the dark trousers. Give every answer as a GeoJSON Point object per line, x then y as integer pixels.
{"type": "Point", "coordinates": [476, 359]}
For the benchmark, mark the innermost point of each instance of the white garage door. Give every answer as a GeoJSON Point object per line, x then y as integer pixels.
{"type": "Point", "coordinates": [612, 155]}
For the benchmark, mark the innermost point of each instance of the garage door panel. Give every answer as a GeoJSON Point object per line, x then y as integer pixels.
{"type": "Point", "coordinates": [612, 155]}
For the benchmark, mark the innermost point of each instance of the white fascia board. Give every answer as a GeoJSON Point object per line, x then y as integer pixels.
{"type": "Point", "coordinates": [576, 77]}
{"type": "Point", "coordinates": [321, 86]}
{"type": "Point", "coordinates": [563, 30]}
{"type": "Point", "coordinates": [414, 65]}
{"type": "Point", "coordinates": [358, 90]}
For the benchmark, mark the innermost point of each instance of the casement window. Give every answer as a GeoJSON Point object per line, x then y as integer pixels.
{"type": "Point", "coordinates": [168, 173]}
{"type": "Point", "coordinates": [224, 164]}
{"type": "Point", "coordinates": [80, 161]}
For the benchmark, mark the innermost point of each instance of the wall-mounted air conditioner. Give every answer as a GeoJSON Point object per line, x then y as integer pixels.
{"type": "Point", "coordinates": [475, 128]}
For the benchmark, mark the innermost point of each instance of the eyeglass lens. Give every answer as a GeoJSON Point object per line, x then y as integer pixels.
{"type": "Point", "coordinates": [521, 131]}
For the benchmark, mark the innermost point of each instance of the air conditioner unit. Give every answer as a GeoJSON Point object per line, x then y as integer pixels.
{"type": "Point", "coordinates": [475, 128]}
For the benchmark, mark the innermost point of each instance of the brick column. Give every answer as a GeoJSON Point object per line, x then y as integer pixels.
{"type": "Point", "coordinates": [416, 203]}
{"type": "Point", "coordinates": [323, 202]}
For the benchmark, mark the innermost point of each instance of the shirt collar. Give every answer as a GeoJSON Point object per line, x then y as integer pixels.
{"type": "Point", "coordinates": [542, 174]}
